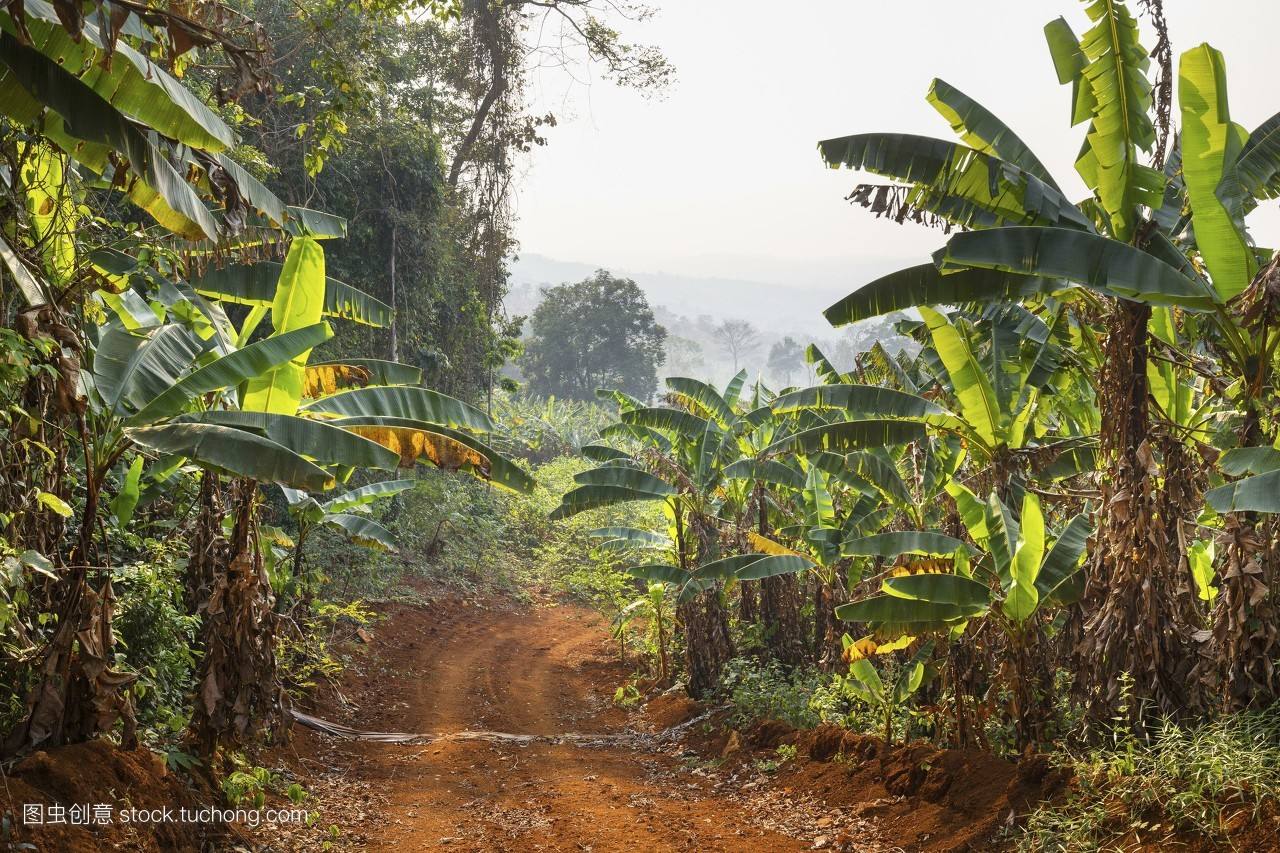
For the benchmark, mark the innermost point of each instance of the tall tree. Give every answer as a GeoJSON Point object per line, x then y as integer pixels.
{"type": "Point", "coordinates": [739, 340]}
{"type": "Point", "coordinates": [595, 334]}
{"type": "Point", "coordinates": [785, 358]}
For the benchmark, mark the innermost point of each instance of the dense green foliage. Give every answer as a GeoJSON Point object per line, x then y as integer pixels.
{"type": "Point", "coordinates": [1051, 521]}
{"type": "Point", "coordinates": [598, 333]}
{"type": "Point", "coordinates": [174, 441]}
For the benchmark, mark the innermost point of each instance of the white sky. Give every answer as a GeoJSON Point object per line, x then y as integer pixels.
{"type": "Point", "coordinates": [722, 178]}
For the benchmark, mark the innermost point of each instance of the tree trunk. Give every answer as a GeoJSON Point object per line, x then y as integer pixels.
{"type": "Point", "coordinates": [748, 606]}
{"type": "Point", "coordinates": [780, 613]}
{"type": "Point", "coordinates": [239, 696]}
{"type": "Point", "coordinates": [1136, 617]}
{"type": "Point", "coordinates": [707, 645]}
{"type": "Point", "coordinates": [75, 695]}
{"type": "Point", "coordinates": [1244, 640]}
{"type": "Point", "coordinates": [827, 629]}
{"type": "Point", "coordinates": [395, 335]}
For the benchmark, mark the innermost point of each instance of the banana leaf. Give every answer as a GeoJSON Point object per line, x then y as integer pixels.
{"type": "Point", "coordinates": [235, 452]}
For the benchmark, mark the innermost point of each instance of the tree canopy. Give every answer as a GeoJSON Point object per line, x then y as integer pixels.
{"type": "Point", "coordinates": [597, 333]}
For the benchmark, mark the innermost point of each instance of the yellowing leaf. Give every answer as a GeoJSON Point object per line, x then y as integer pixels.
{"type": "Point", "coordinates": [55, 503]}
{"type": "Point", "coordinates": [765, 545]}
{"type": "Point", "coordinates": [413, 444]}
{"type": "Point", "coordinates": [324, 379]}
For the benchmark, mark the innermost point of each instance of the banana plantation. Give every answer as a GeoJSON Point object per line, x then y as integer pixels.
{"type": "Point", "coordinates": [1037, 541]}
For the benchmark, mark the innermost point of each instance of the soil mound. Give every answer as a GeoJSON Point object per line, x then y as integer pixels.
{"type": "Point", "coordinates": [49, 785]}
{"type": "Point", "coordinates": [669, 710]}
{"type": "Point", "coordinates": [925, 798]}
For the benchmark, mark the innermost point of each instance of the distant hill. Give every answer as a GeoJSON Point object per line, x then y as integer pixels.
{"type": "Point", "coordinates": [780, 309]}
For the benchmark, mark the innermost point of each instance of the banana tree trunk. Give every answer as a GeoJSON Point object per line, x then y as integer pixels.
{"type": "Point", "coordinates": [707, 645]}
{"type": "Point", "coordinates": [780, 613]}
{"type": "Point", "coordinates": [827, 629]}
{"type": "Point", "coordinates": [239, 697]}
{"type": "Point", "coordinates": [1136, 614]}
{"type": "Point", "coordinates": [1244, 639]}
{"type": "Point", "coordinates": [748, 603]}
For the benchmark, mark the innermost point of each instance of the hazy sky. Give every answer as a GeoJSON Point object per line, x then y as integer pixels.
{"type": "Point", "coordinates": [721, 177]}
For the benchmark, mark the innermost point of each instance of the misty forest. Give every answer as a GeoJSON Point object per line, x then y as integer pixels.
{"type": "Point", "coordinates": [329, 520]}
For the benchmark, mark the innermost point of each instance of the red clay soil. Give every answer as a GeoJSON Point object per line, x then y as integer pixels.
{"type": "Point", "coordinates": [544, 671]}
{"type": "Point", "coordinates": [548, 670]}
{"type": "Point", "coordinates": [449, 667]}
{"type": "Point", "coordinates": [100, 773]}
{"type": "Point", "coordinates": [921, 797]}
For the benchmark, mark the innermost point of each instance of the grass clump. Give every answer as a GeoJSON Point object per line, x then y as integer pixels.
{"type": "Point", "coordinates": [1178, 783]}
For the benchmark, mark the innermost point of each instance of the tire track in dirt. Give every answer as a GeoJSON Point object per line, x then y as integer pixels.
{"type": "Point", "coordinates": [541, 670]}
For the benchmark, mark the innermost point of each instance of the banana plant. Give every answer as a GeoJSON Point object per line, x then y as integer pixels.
{"type": "Point", "coordinates": [679, 456]}
{"type": "Point", "coordinates": [1018, 579]}
{"type": "Point", "coordinates": [346, 514]}
{"type": "Point", "coordinates": [865, 684]}
{"type": "Point", "coordinates": [1129, 242]}
{"type": "Point", "coordinates": [259, 411]}
{"type": "Point", "coordinates": [651, 606]}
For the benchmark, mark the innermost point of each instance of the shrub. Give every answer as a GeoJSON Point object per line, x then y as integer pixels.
{"type": "Point", "coordinates": [766, 690]}
{"type": "Point", "coordinates": [1178, 781]}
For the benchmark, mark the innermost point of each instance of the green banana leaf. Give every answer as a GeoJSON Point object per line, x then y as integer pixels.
{"type": "Point", "coordinates": [1023, 597]}
{"type": "Point", "coordinates": [1259, 493]}
{"type": "Point", "coordinates": [822, 366]}
{"type": "Point", "coordinates": [89, 128]}
{"type": "Point", "coordinates": [398, 401]}
{"type": "Point", "coordinates": [1249, 460]}
{"type": "Point", "coordinates": [704, 397]}
{"type": "Point", "coordinates": [1063, 562]}
{"type": "Point", "coordinates": [986, 183]}
{"type": "Point", "coordinates": [584, 498]}
{"type": "Point", "coordinates": [363, 531]}
{"type": "Point", "coordinates": [681, 423]}
{"type": "Point", "coordinates": [905, 611]}
{"type": "Point", "coordinates": [978, 128]}
{"type": "Point", "coordinates": [631, 536]}
{"type": "Point", "coordinates": [657, 573]}
{"type": "Point", "coordinates": [603, 453]}
{"type": "Point", "coordinates": [1069, 62]}
{"type": "Point", "coordinates": [925, 285]}
{"type": "Point", "coordinates": [299, 302]}
{"type": "Point", "coordinates": [126, 501]}
{"type": "Point", "coordinates": [130, 81]}
{"type": "Point", "coordinates": [367, 494]}
{"type": "Point", "coordinates": [317, 440]}
{"type": "Point", "coordinates": [232, 451]}
{"type": "Point", "coordinates": [846, 436]}
{"type": "Point", "coordinates": [939, 589]}
{"type": "Point", "coordinates": [1210, 143]}
{"type": "Point", "coordinates": [773, 566]}
{"type": "Point", "coordinates": [867, 401]}
{"type": "Point", "coordinates": [734, 389]}
{"type": "Point", "coordinates": [631, 478]}
{"type": "Point", "coordinates": [255, 284]}
{"type": "Point", "coordinates": [926, 543]}
{"type": "Point", "coordinates": [882, 474]}
{"type": "Point", "coordinates": [230, 370]}
{"type": "Point", "coordinates": [1102, 264]}
{"type": "Point", "coordinates": [1256, 172]}
{"type": "Point", "coordinates": [1109, 163]}
{"type": "Point", "coordinates": [769, 471]}
{"type": "Point", "coordinates": [130, 369]}
{"type": "Point", "coordinates": [970, 381]}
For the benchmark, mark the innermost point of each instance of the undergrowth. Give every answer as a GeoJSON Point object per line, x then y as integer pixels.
{"type": "Point", "coordinates": [1206, 781]}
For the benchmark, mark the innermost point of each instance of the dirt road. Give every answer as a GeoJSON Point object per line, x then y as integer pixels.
{"type": "Point", "coordinates": [543, 670]}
